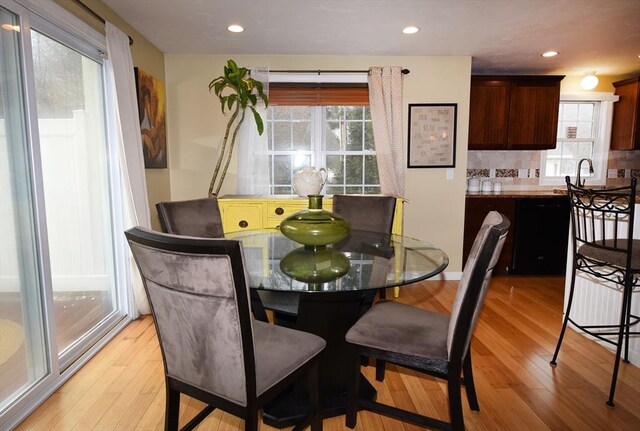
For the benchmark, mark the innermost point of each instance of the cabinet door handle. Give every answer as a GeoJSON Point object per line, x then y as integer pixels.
{"type": "Point", "coordinates": [279, 211]}
{"type": "Point", "coordinates": [243, 224]}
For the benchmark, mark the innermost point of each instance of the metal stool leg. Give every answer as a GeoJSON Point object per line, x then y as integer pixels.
{"type": "Point", "coordinates": [628, 324]}
{"type": "Point", "coordinates": [566, 315]}
{"type": "Point", "coordinates": [621, 335]}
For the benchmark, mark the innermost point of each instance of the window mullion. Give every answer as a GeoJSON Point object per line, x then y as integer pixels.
{"type": "Point", "coordinates": [318, 127]}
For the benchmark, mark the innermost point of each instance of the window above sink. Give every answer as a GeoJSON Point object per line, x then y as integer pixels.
{"type": "Point", "coordinates": [584, 131]}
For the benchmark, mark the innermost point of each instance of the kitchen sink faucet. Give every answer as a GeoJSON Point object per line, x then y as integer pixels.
{"type": "Point", "coordinates": [578, 183]}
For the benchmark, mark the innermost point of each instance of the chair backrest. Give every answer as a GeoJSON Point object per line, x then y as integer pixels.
{"type": "Point", "coordinates": [473, 286]}
{"type": "Point", "coordinates": [603, 219]}
{"type": "Point", "coordinates": [199, 300]}
{"type": "Point", "coordinates": [372, 213]}
{"type": "Point", "coordinates": [197, 217]}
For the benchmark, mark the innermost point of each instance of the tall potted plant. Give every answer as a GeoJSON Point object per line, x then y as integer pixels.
{"type": "Point", "coordinates": [236, 91]}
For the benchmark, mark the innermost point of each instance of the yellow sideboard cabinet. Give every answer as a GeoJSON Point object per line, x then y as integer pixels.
{"type": "Point", "coordinates": [246, 212]}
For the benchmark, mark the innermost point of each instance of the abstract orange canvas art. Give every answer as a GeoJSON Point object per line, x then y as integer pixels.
{"type": "Point", "coordinates": [152, 112]}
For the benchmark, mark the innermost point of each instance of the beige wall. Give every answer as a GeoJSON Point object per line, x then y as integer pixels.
{"type": "Point", "coordinates": [435, 207]}
{"type": "Point", "coordinates": [150, 59]}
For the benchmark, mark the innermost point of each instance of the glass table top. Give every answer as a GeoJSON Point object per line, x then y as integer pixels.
{"type": "Point", "coordinates": [361, 261]}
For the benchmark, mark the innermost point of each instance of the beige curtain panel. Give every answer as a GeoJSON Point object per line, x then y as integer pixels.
{"type": "Point", "coordinates": [385, 103]}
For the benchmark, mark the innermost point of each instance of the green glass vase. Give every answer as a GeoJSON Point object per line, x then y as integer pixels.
{"type": "Point", "coordinates": [315, 228]}
{"type": "Point", "coordinates": [315, 266]}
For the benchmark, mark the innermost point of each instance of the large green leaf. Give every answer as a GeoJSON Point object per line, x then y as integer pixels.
{"type": "Point", "coordinates": [258, 120]}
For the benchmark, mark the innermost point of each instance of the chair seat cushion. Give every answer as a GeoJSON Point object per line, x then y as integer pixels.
{"type": "Point", "coordinates": [279, 351]}
{"type": "Point", "coordinates": [395, 327]}
{"type": "Point", "coordinates": [613, 257]}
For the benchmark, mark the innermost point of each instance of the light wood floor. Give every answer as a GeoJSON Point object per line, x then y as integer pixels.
{"type": "Point", "coordinates": [122, 387]}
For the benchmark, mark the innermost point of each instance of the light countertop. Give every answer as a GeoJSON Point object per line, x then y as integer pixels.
{"type": "Point", "coordinates": [549, 193]}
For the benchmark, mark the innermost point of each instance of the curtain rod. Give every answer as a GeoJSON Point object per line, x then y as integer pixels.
{"type": "Point", "coordinates": [96, 16]}
{"type": "Point", "coordinates": [404, 71]}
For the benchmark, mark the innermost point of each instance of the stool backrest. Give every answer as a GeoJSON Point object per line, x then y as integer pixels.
{"type": "Point", "coordinates": [602, 220]}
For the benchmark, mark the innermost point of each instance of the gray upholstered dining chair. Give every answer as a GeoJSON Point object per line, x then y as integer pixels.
{"type": "Point", "coordinates": [363, 212]}
{"type": "Point", "coordinates": [370, 213]}
{"type": "Point", "coordinates": [366, 212]}
{"type": "Point", "coordinates": [211, 347]}
{"type": "Point", "coordinates": [200, 218]}
{"type": "Point", "coordinates": [426, 341]}
{"type": "Point", "coordinates": [196, 217]}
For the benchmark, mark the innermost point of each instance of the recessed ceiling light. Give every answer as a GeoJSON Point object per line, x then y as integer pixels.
{"type": "Point", "coordinates": [410, 30]}
{"type": "Point", "coordinates": [550, 54]}
{"type": "Point", "coordinates": [235, 28]}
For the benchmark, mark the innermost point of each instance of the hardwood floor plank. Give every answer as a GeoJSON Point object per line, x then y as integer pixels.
{"type": "Point", "coordinates": [135, 411]}
{"type": "Point", "coordinates": [551, 419]}
{"type": "Point", "coordinates": [87, 400]}
{"type": "Point", "coordinates": [89, 421]}
{"type": "Point", "coordinates": [153, 417]}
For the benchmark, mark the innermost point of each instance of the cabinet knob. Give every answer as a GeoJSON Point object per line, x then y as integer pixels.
{"type": "Point", "coordinates": [243, 223]}
{"type": "Point", "coordinates": [279, 211]}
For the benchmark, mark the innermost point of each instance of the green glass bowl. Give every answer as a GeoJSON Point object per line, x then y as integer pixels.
{"type": "Point", "coordinates": [315, 266]}
{"type": "Point", "coordinates": [315, 227]}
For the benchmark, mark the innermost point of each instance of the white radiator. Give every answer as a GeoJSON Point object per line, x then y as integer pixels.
{"type": "Point", "coordinates": [596, 301]}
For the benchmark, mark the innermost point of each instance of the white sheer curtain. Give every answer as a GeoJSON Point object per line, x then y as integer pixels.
{"type": "Point", "coordinates": [127, 133]}
{"type": "Point", "coordinates": [385, 103]}
{"type": "Point", "coordinates": [253, 162]}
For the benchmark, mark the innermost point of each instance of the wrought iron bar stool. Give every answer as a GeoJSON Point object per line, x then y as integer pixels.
{"type": "Point", "coordinates": [603, 247]}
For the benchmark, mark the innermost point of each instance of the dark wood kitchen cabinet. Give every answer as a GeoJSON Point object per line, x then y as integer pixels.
{"type": "Point", "coordinates": [625, 133]}
{"type": "Point", "coordinates": [538, 235]}
{"type": "Point", "coordinates": [476, 209]}
{"type": "Point", "coordinates": [514, 112]}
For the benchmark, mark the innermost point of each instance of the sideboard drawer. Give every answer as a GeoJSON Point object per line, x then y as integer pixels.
{"type": "Point", "coordinates": [241, 217]}
{"type": "Point", "coordinates": [281, 210]}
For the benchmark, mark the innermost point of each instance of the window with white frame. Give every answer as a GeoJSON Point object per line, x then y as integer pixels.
{"type": "Point", "coordinates": [322, 121]}
{"type": "Point", "coordinates": [338, 138]}
{"type": "Point", "coordinates": [584, 131]}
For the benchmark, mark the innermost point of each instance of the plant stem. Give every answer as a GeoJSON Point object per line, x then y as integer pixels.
{"type": "Point", "coordinates": [230, 153]}
{"type": "Point", "coordinates": [222, 150]}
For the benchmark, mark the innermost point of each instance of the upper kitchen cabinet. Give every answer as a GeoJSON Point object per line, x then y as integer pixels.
{"type": "Point", "coordinates": [518, 112]}
{"type": "Point", "coordinates": [625, 134]}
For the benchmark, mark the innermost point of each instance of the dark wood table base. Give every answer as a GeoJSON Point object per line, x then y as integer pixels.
{"type": "Point", "coordinates": [328, 315]}
{"type": "Point", "coordinates": [291, 408]}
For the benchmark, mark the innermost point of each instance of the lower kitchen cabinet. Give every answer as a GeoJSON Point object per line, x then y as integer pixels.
{"type": "Point", "coordinates": [476, 209]}
{"type": "Point", "coordinates": [537, 239]}
{"type": "Point", "coordinates": [541, 235]}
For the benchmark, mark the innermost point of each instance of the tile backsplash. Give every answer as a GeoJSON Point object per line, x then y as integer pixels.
{"type": "Point", "coordinates": [514, 169]}
{"type": "Point", "coordinates": [520, 170]}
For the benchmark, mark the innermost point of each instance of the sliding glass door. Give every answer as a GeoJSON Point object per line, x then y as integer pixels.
{"type": "Point", "coordinates": [73, 153]}
{"type": "Point", "coordinates": [23, 348]}
{"type": "Point", "coordinates": [60, 292]}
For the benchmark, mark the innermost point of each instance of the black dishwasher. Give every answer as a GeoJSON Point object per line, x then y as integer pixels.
{"type": "Point", "coordinates": [541, 234]}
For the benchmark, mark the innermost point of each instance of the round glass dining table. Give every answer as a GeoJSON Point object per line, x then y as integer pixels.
{"type": "Point", "coordinates": [335, 286]}
{"type": "Point", "coordinates": [362, 261]}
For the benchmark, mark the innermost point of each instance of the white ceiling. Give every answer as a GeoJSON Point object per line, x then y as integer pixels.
{"type": "Point", "coordinates": [502, 36]}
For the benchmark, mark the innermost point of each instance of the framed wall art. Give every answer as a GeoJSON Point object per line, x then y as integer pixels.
{"type": "Point", "coordinates": [152, 112]}
{"type": "Point", "coordinates": [432, 135]}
